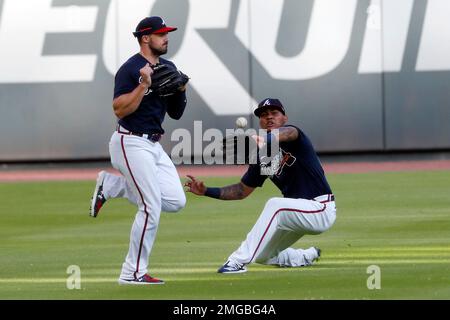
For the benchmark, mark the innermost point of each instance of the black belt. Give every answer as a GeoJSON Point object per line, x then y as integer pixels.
{"type": "Point", "coordinates": [154, 137]}
{"type": "Point", "coordinates": [325, 198]}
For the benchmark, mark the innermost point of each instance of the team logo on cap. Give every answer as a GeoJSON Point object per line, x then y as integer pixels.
{"type": "Point", "coordinates": [266, 103]}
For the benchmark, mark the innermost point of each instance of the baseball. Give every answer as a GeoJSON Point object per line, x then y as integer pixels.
{"type": "Point", "coordinates": [241, 122]}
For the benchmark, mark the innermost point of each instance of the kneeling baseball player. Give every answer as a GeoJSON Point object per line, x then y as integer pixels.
{"type": "Point", "coordinates": [308, 205]}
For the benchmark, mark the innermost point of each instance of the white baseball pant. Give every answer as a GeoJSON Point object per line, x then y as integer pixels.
{"type": "Point", "coordinates": [152, 183]}
{"type": "Point", "coordinates": [282, 222]}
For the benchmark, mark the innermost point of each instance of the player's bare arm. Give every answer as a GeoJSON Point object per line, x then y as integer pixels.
{"type": "Point", "coordinates": [128, 103]}
{"type": "Point", "coordinates": [282, 134]}
{"type": "Point", "coordinates": [236, 191]}
{"type": "Point", "coordinates": [286, 134]}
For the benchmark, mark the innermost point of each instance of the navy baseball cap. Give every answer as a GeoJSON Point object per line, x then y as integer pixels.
{"type": "Point", "coordinates": [269, 103]}
{"type": "Point", "coordinates": [151, 25]}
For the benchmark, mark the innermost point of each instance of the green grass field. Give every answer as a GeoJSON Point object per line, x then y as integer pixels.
{"type": "Point", "coordinates": [397, 221]}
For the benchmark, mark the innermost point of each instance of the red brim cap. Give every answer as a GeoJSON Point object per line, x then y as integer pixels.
{"type": "Point", "coordinates": [165, 29]}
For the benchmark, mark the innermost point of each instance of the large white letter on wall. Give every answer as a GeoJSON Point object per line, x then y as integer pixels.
{"type": "Point", "coordinates": [23, 26]}
{"type": "Point", "coordinates": [327, 41]}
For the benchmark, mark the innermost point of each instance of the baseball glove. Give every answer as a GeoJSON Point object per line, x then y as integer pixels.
{"type": "Point", "coordinates": [239, 148]}
{"type": "Point", "coordinates": [167, 80]}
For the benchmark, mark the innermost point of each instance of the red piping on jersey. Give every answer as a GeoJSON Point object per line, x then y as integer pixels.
{"type": "Point", "coordinates": [275, 214]}
{"type": "Point", "coordinates": [145, 208]}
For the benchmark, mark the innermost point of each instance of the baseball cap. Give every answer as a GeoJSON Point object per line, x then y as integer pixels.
{"type": "Point", "coordinates": [269, 103]}
{"type": "Point", "coordinates": [151, 25]}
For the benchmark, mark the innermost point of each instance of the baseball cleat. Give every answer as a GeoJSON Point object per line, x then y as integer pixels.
{"type": "Point", "coordinates": [232, 267]}
{"type": "Point", "coordinates": [98, 199]}
{"type": "Point", "coordinates": [144, 280]}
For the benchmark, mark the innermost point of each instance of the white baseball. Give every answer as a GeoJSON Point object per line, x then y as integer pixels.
{"type": "Point", "coordinates": [241, 122]}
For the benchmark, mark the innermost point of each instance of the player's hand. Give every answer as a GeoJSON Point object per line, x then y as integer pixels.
{"type": "Point", "coordinates": [195, 186]}
{"type": "Point", "coordinates": [146, 75]}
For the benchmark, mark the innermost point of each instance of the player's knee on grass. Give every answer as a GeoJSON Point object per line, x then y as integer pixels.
{"type": "Point", "coordinates": [290, 258]}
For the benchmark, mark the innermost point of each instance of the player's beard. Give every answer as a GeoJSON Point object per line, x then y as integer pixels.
{"type": "Point", "coordinates": [158, 51]}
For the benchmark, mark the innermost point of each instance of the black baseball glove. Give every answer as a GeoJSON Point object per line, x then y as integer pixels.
{"type": "Point", "coordinates": [167, 80]}
{"type": "Point", "coordinates": [239, 148]}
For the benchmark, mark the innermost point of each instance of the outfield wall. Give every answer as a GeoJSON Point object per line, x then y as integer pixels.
{"type": "Point", "coordinates": [355, 75]}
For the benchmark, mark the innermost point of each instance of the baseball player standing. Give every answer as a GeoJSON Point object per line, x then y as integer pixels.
{"type": "Point", "coordinates": [307, 207]}
{"type": "Point", "coordinates": [150, 176]}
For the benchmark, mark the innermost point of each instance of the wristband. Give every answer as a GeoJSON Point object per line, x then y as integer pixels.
{"type": "Point", "coordinates": [213, 193]}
